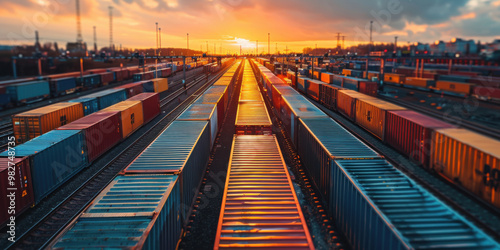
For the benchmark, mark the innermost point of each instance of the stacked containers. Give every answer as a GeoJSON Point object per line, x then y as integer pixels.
{"type": "Point", "coordinates": [371, 114]}
{"type": "Point", "coordinates": [54, 158]}
{"type": "Point", "coordinates": [321, 141]}
{"type": "Point", "coordinates": [152, 222]}
{"type": "Point", "coordinates": [203, 112]}
{"type": "Point", "coordinates": [33, 123]}
{"type": "Point", "coordinates": [473, 160]}
{"type": "Point", "coordinates": [23, 194]}
{"type": "Point", "coordinates": [182, 149]}
{"type": "Point", "coordinates": [411, 133]}
{"type": "Point", "coordinates": [106, 98]}
{"type": "Point", "coordinates": [150, 105]}
{"type": "Point", "coordinates": [132, 89]}
{"type": "Point", "coordinates": [131, 116]}
{"type": "Point", "coordinates": [102, 131]}
{"type": "Point", "coordinates": [27, 91]}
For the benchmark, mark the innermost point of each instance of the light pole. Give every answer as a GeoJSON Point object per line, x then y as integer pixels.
{"type": "Point", "coordinates": [187, 40]}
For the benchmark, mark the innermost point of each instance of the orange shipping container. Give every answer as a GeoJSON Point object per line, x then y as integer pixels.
{"type": "Point", "coordinates": [455, 87]}
{"type": "Point", "coordinates": [36, 122]}
{"type": "Point", "coordinates": [131, 115]}
{"type": "Point", "coordinates": [394, 78]}
{"type": "Point", "coordinates": [160, 84]}
{"type": "Point", "coordinates": [371, 114]}
{"type": "Point", "coordinates": [470, 159]}
{"type": "Point", "coordinates": [420, 82]}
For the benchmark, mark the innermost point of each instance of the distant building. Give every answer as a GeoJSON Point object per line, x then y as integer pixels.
{"type": "Point", "coordinates": [438, 48]}
{"type": "Point", "coordinates": [77, 48]}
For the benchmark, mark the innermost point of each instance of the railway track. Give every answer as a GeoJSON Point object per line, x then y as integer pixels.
{"type": "Point", "coordinates": [47, 227]}
{"type": "Point", "coordinates": [473, 126]}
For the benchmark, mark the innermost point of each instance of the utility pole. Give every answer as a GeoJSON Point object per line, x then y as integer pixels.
{"type": "Point", "coordinates": [95, 41]}
{"type": "Point", "coordinates": [269, 43]}
{"type": "Point", "coordinates": [187, 40]}
{"type": "Point", "coordinates": [79, 38]}
{"type": "Point", "coordinates": [159, 38]}
{"type": "Point", "coordinates": [395, 44]}
{"type": "Point", "coordinates": [156, 51]}
{"type": "Point", "coordinates": [338, 41]}
{"type": "Point", "coordinates": [343, 38]}
{"type": "Point", "coordinates": [371, 40]}
{"type": "Point", "coordinates": [111, 28]}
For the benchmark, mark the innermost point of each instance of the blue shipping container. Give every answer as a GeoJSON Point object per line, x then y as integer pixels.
{"type": "Point", "coordinates": [148, 86]}
{"type": "Point", "coordinates": [108, 97]}
{"type": "Point", "coordinates": [202, 112]}
{"type": "Point", "coordinates": [378, 207]}
{"type": "Point", "coordinates": [27, 91]}
{"type": "Point", "coordinates": [133, 212]}
{"type": "Point", "coordinates": [4, 99]}
{"type": "Point", "coordinates": [322, 140]}
{"type": "Point", "coordinates": [90, 105]}
{"type": "Point", "coordinates": [61, 85]}
{"type": "Point", "coordinates": [54, 158]}
{"type": "Point", "coordinates": [182, 149]}
{"type": "Point", "coordinates": [89, 81]}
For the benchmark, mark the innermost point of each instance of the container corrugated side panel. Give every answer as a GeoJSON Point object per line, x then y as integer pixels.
{"type": "Point", "coordinates": [132, 117]}
{"type": "Point", "coordinates": [150, 105]}
{"type": "Point", "coordinates": [54, 158]}
{"type": "Point", "coordinates": [401, 214]}
{"type": "Point", "coordinates": [371, 114]}
{"type": "Point", "coordinates": [313, 89]}
{"type": "Point", "coordinates": [202, 112]}
{"type": "Point", "coordinates": [90, 105]}
{"type": "Point", "coordinates": [29, 90]}
{"type": "Point", "coordinates": [183, 149]}
{"type": "Point", "coordinates": [322, 140]}
{"type": "Point", "coordinates": [134, 211]}
{"type": "Point", "coordinates": [470, 158]}
{"type": "Point", "coordinates": [260, 208]}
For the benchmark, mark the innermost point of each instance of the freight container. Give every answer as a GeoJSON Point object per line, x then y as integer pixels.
{"type": "Point", "coordinates": [4, 100]}
{"type": "Point", "coordinates": [346, 72]}
{"type": "Point", "coordinates": [203, 112]}
{"type": "Point", "coordinates": [351, 83]}
{"type": "Point", "coordinates": [182, 149]}
{"type": "Point", "coordinates": [368, 88]}
{"type": "Point", "coordinates": [252, 118]}
{"type": "Point", "coordinates": [89, 105]}
{"type": "Point", "coordinates": [119, 74]}
{"type": "Point", "coordinates": [16, 187]}
{"type": "Point", "coordinates": [160, 85]}
{"type": "Point", "coordinates": [148, 217]}
{"type": "Point", "coordinates": [487, 93]}
{"type": "Point", "coordinates": [89, 81]}
{"type": "Point", "coordinates": [150, 105]}
{"type": "Point", "coordinates": [424, 83]}
{"type": "Point", "coordinates": [346, 102]}
{"type": "Point", "coordinates": [371, 74]}
{"type": "Point", "coordinates": [62, 86]}
{"type": "Point", "coordinates": [278, 91]}
{"type": "Point", "coordinates": [33, 123]}
{"type": "Point", "coordinates": [328, 95]}
{"type": "Point", "coordinates": [28, 91]}
{"type": "Point", "coordinates": [302, 84]}
{"type": "Point", "coordinates": [260, 209]}
{"type": "Point", "coordinates": [106, 98]}
{"type": "Point", "coordinates": [54, 158]}
{"type": "Point", "coordinates": [486, 81]}
{"type": "Point", "coordinates": [131, 116]}
{"type": "Point", "coordinates": [459, 88]}
{"type": "Point", "coordinates": [320, 142]}
{"type": "Point", "coordinates": [216, 98]}
{"type": "Point", "coordinates": [327, 77]}
{"type": "Point", "coordinates": [132, 89]}
{"type": "Point", "coordinates": [399, 212]}
{"type": "Point", "coordinates": [294, 107]}
{"type": "Point", "coordinates": [411, 133]}
{"type": "Point", "coordinates": [371, 114]}
{"type": "Point", "coordinates": [143, 76]}
{"type": "Point", "coordinates": [338, 79]}
{"type": "Point", "coordinates": [470, 160]}
{"type": "Point", "coordinates": [148, 85]}
{"type": "Point", "coordinates": [313, 87]}
{"type": "Point", "coordinates": [394, 78]}
{"type": "Point", "coordinates": [106, 78]}
{"type": "Point", "coordinates": [454, 78]}
{"type": "Point", "coordinates": [102, 131]}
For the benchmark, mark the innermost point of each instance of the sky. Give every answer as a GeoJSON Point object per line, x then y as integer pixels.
{"type": "Point", "coordinates": [227, 24]}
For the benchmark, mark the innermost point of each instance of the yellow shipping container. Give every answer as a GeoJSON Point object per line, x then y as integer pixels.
{"type": "Point", "coordinates": [371, 114]}
{"type": "Point", "coordinates": [160, 84]}
{"type": "Point", "coordinates": [346, 72]}
{"type": "Point", "coordinates": [369, 75]}
{"type": "Point", "coordinates": [33, 123]}
{"type": "Point", "coordinates": [473, 160]}
{"type": "Point", "coordinates": [455, 87]}
{"type": "Point", "coordinates": [131, 115]}
{"type": "Point", "coordinates": [394, 78]}
{"type": "Point", "coordinates": [420, 82]}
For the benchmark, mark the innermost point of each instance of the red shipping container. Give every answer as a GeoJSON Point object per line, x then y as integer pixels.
{"type": "Point", "coordinates": [411, 133]}
{"type": "Point", "coordinates": [23, 195]}
{"type": "Point", "coordinates": [368, 88]}
{"type": "Point", "coordinates": [486, 81]}
{"type": "Point", "coordinates": [150, 105]}
{"type": "Point", "coordinates": [132, 89]}
{"type": "Point", "coordinates": [487, 93]}
{"type": "Point", "coordinates": [119, 74]}
{"type": "Point", "coordinates": [102, 131]}
{"type": "Point", "coordinates": [96, 71]}
{"type": "Point", "coordinates": [106, 77]}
